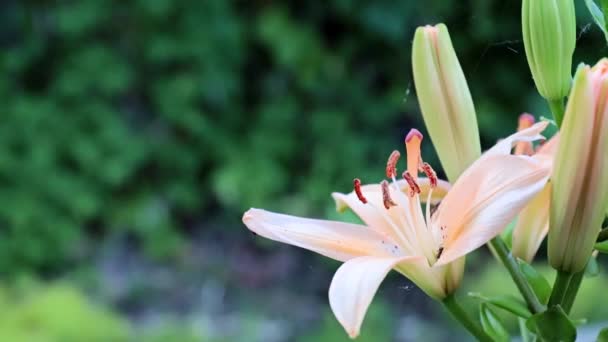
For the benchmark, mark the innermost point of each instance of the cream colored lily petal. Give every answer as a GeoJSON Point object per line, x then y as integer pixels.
{"type": "Point", "coordinates": [354, 286]}
{"type": "Point", "coordinates": [485, 199]}
{"type": "Point", "coordinates": [532, 226]}
{"type": "Point", "coordinates": [550, 147]}
{"type": "Point", "coordinates": [336, 240]}
{"type": "Point", "coordinates": [504, 146]}
{"type": "Point", "coordinates": [436, 282]}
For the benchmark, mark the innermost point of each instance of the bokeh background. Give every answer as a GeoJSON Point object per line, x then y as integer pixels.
{"type": "Point", "coordinates": [134, 134]}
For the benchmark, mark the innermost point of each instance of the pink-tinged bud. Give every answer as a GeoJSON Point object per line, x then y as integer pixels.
{"type": "Point", "coordinates": [445, 100]}
{"type": "Point", "coordinates": [580, 174]}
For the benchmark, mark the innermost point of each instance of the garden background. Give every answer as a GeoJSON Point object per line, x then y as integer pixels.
{"type": "Point", "coordinates": [134, 134]}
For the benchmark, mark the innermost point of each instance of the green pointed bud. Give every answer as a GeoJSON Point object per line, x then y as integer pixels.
{"type": "Point", "coordinates": [580, 173]}
{"type": "Point", "coordinates": [549, 30]}
{"type": "Point", "coordinates": [445, 100]}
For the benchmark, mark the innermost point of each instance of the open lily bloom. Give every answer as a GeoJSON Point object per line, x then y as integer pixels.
{"type": "Point", "coordinates": [428, 248]}
{"type": "Point", "coordinates": [533, 222]}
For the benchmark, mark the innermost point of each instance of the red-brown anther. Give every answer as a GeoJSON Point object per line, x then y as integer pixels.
{"type": "Point", "coordinates": [414, 188]}
{"type": "Point", "coordinates": [386, 195]}
{"type": "Point", "coordinates": [357, 184]}
{"type": "Point", "coordinates": [391, 164]}
{"type": "Point", "coordinates": [430, 173]}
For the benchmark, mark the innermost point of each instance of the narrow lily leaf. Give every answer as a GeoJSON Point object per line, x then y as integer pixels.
{"type": "Point", "coordinates": [598, 16]}
{"type": "Point", "coordinates": [539, 284]}
{"type": "Point", "coordinates": [491, 324]}
{"type": "Point", "coordinates": [508, 303]}
{"type": "Point", "coordinates": [592, 269]}
{"type": "Point", "coordinates": [552, 325]}
{"type": "Point", "coordinates": [602, 246]}
{"type": "Point", "coordinates": [603, 335]}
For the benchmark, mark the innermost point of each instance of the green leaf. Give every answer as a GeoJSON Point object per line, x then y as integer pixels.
{"type": "Point", "coordinates": [603, 335]}
{"type": "Point", "coordinates": [592, 269]}
{"type": "Point", "coordinates": [539, 284]}
{"type": "Point", "coordinates": [597, 15]}
{"type": "Point", "coordinates": [491, 324]}
{"type": "Point", "coordinates": [552, 325]}
{"type": "Point", "coordinates": [602, 246]}
{"type": "Point", "coordinates": [508, 303]}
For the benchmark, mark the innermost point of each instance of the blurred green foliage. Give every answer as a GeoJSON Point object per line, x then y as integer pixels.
{"type": "Point", "coordinates": [140, 117]}
{"type": "Point", "coordinates": [56, 313]}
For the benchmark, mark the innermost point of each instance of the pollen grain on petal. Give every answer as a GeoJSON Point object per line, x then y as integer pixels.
{"type": "Point", "coordinates": [358, 192]}
{"type": "Point", "coordinates": [391, 164]}
{"type": "Point", "coordinates": [386, 195]}
{"type": "Point", "coordinates": [414, 187]}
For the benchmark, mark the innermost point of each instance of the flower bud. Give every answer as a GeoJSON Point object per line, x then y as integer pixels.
{"type": "Point", "coordinates": [549, 31]}
{"type": "Point", "coordinates": [580, 174]}
{"type": "Point", "coordinates": [445, 100]}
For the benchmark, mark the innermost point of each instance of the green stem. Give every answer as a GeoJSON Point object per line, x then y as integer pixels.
{"type": "Point", "coordinates": [505, 256]}
{"type": "Point", "coordinates": [562, 280]}
{"type": "Point", "coordinates": [526, 336]}
{"type": "Point", "coordinates": [557, 109]}
{"type": "Point", "coordinates": [461, 316]}
{"type": "Point", "coordinates": [572, 290]}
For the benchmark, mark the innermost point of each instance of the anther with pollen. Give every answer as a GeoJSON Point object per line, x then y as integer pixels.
{"type": "Point", "coordinates": [391, 164]}
{"type": "Point", "coordinates": [430, 173]}
{"type": "Point", "coordinates": [414, 188]}
{"type": "Point", "coordinates": [357, 184]}
{"type": "Point", "coordinates": [386, 196]}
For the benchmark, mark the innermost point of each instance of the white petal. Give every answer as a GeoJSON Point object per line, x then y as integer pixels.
{"type": "Point", "coordinates": [485, 199]}
{"type": "Point", "coordinates": [504, 146]}
{"type": "Point", "coordinates": [337, 240]}
{"type": "Point", "coordinates": [354, 286]}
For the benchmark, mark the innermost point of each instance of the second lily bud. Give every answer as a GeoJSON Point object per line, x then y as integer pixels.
{"type": "Point", "coordinates": [580, 174]}
{"type": "Point", "coordinates": [445, 100]}
{"type": "Point", "coordinates": [549, 31]}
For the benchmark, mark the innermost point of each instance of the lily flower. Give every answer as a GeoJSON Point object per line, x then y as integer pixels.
{"type": "Point", "coordinates": [533, 222]}
{"type": "Point", "coordinates": [427, 246]}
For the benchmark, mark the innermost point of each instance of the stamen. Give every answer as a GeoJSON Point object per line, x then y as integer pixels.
{"type": "Point", "coordinates": [357, 184]}
{"type": "Point", "coordinates": [386, 196]}
{"type": "Point", "coordinates": [414, 188]}
{"type": "Point", "coordinates": [391, 164]}
{"type": "Point", "coordinates": [412, 145]}
{"type": "Point", "coordinates": [526, 120]}
{"type": "Point", "coordinates": [430, 173]}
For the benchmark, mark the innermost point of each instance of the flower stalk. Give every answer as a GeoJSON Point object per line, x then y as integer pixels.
{"type": "Point", "coordinates": [463, 318]}
{"type": "Point", "coordinates": [560, 287]}
{"type": "Point", "coordinates": [557, 109]}
{"type": "Point", "coordinates": [502, 252]}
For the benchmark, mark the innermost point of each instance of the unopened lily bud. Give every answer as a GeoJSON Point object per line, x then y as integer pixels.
{"type": "Point", "coordinates": [549, 31]}
{"type": "Point", "coordinates": [445, 100]}
{"type": "Point", "coordinates": [580, 174]}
